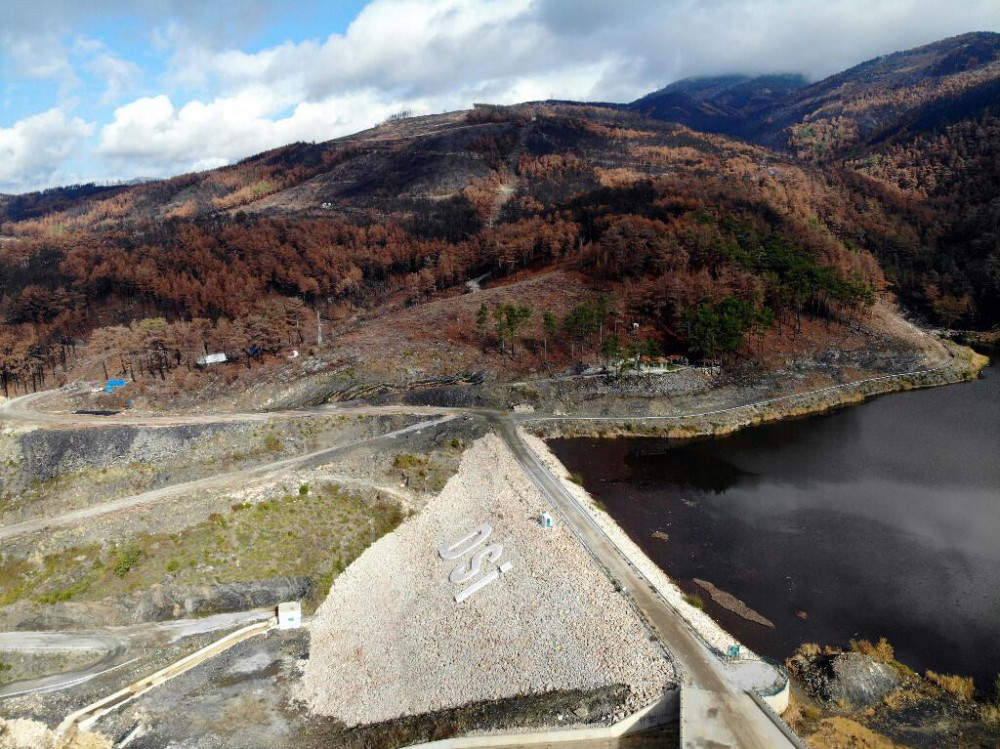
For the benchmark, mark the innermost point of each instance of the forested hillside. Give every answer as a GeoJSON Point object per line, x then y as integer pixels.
{"type": "Point", "coordinates": [915, 130]}
{"type": "Point", "coordinates": [710, 244]}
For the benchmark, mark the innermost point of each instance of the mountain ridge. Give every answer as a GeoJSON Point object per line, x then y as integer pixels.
{"type": "Point", "coordinates": [707, 239]}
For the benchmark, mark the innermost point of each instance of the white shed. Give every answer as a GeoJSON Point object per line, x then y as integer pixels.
{"type": "Point", "coordinates": [211, 359]}
{"type": "Point", "coordinates": [289, 615]}
{"type": "Point", "coordinates": [546, 520]}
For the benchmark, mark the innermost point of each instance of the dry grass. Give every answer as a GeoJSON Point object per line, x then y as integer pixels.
{"type": "Point", "coordinates": [960, 686]}
{"type": "Point", "coordinates": [619, 177]}
{"type": "Point", "coordinates": [439, 337]}
{"type": "Point", "coordinates": [842, 733]}
{"type": "Point", "coordinates": [882, 651]}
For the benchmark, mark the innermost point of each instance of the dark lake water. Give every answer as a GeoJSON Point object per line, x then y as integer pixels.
{"type": "Point", "coordinates": [877, 520]}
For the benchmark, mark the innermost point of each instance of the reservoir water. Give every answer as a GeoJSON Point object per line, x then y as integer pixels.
{"type": "Point", "coordinates": [876, 520]}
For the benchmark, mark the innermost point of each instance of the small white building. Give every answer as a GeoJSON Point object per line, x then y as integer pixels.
{"type": "Point", "coordinates": [546, 520]}
{"type": "Point", "coordinates": [211, 359]}
{"type": "Point", "coordinates": [289, 615]}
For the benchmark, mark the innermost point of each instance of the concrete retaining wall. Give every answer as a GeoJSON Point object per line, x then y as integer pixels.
{"type": "Point", "coordinates": [664, 711]}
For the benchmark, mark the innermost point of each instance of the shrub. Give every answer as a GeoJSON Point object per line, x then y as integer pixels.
{"type": "Point", "coordinates": [882, 652]}
{"type": "Point", "coordinates": [304, 490]}
{"type": "Point", "coordinates": [576, 478]}
{"type": "Point", "coordinates": [960, 686]}
{"type": "Point", "coordinates": [173, 565]}
{"type": "Point", "coordinates": [406, 461]}
{"type": "Point", "coordinates": [693, 599]}
{"type": "Point", "coordinates": [126, 558]}
{"type": "Point", "coordinates": [811, 712]}
{"type": "Point", "coordinates": [272, 443]}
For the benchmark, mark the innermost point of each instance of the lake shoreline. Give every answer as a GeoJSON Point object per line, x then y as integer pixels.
{"type": "Point", "coordinates": [705, 524]}
{"type": "Point", "coordinates": [963, 365]}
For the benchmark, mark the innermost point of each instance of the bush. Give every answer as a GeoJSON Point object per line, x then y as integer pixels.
{"type": "Point", "coordinates": [304, 490]}
{"type": "Point", "coordinates": [126, 558]}
{"type": "Point", "coordinates": [882, 652]}
{"type": "Point", "coordinates": [811, 712]}
{"type": "Point", "coordinates": [272, 443]}
{"type": "Point", "coordinates": [693, 599]}
{"type": "Point", "coordinates": [406, 461]}
{"type": "Point", "coordinates": [576, 478]}
{"type": "Point", "coordinates": [173, 565]}
{"type": "Point", "coordinates": [960, 686]}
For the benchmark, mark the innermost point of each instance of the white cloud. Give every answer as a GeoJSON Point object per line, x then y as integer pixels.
{"type": "Point", "coordinates": [217, 102]}
{"type": "Point", "coordinates": [34, 149]}
{"type": "Point", "coordinates": [421, 55]}
{"type": "Point", "coordinates": [119, 75]}
{"type": "Point", "coordinates": [154, 137]}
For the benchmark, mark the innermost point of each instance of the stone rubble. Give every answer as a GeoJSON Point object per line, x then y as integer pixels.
{"type": "Point", "coordinates": [391, 641]}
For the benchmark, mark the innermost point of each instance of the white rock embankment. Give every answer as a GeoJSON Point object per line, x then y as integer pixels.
{"type": "Point", "coordinates": [391, 641]}
{"type": "Point", "coordinates": [712, 633]}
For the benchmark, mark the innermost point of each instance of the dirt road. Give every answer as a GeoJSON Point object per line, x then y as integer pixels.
{"type": "Point", "coordinates": [113, 647]}
{"type": "Point", "coordinates": [222, 480]}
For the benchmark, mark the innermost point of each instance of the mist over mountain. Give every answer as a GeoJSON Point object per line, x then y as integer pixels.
{"type": "Point", "coordinates": [916, 130]}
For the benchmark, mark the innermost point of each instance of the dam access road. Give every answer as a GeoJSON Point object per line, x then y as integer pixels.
{"type": "Point", "coordinates": [716, 709]}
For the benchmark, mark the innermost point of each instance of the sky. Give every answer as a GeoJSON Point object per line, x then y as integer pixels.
{"type": "Point", "coordinates": [105, 90]}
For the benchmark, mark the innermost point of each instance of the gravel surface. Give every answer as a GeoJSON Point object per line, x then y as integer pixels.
{"type": "Point", "coordinates": [390, 640]}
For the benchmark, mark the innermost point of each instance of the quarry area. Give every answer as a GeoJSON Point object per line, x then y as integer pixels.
{"type": "Point", "coordinates": [391, 640]}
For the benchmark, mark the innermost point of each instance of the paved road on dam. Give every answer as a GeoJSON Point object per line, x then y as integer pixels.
{"type": "Point", "coordinates": [718, 713]}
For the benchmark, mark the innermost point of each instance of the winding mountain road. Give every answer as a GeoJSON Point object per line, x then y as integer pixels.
{"type": "Point", "coordinates": [113, 647]}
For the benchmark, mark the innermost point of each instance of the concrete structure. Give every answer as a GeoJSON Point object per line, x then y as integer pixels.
{"type": "Point", "coordinates": [211, 359]}
{"type": "Point", "coordinates": [716, 708]}
{"type": "Point", "coordinates": [289, 615]}
{"type": "Point", "coordinates": [663, 711]}
{"type": "Point", "coordinates": [546, 520]}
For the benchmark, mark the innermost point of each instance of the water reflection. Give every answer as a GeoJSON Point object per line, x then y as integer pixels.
{"type": "Point", "coordinates": [685, 467]}
{"type": "Point", "coordinates": [882, 519]}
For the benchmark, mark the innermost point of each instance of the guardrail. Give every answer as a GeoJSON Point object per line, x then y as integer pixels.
{"type": "Point", "coordinates": [773, 716]}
